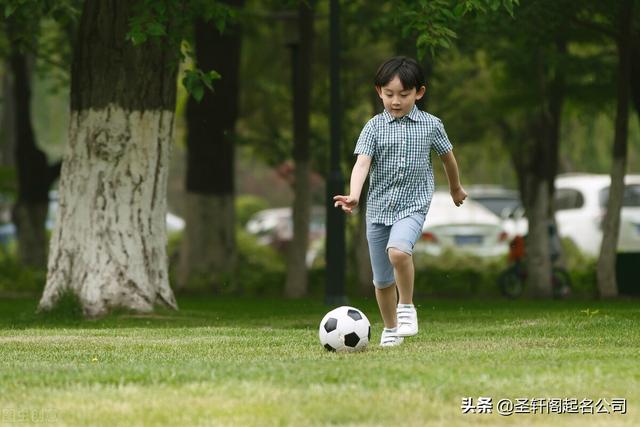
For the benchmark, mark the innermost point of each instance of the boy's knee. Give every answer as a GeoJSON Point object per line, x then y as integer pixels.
{"type": "Point", "coordinates": [397, 257]}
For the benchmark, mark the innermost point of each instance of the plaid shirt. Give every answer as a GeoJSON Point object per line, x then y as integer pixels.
{"type": "Point", "coordinates": [401, 179]}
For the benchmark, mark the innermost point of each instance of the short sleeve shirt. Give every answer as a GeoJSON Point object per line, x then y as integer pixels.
{"type": "Point", "coordinates": [401, 181]}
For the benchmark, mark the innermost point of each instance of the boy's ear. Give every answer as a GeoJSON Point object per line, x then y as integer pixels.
{"type": "Point", "coordinates": [420, 92]}
{"type": "Point", "coordinates": [379, 90]}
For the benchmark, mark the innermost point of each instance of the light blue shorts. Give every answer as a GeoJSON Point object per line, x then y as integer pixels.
{"type": "Point", "coordinates": [402, 235]}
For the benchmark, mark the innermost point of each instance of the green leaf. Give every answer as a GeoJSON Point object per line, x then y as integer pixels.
{"type": "Point", "coordinates": [198, 92]}
{"type": "Point", "coordinates": [156, 29]}
{"type": "Point", "coordinates": [9, 9]}
{"type": "Point", "coordinates": [138, 37]}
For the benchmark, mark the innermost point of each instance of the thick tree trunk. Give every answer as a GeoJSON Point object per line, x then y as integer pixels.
{"type": "Point", "coordinates": [205, 257]}
{"type": "Point", "coordinates": [34, 174]}
{"type": "Point", "coordinates": [606, 267]}
{"type": "Point", "coordinates": [529, 154]}
{"type": "Point", "coordinates": [538, 260]}
{"type": "Point", "coordinates": [108, 246]}
{"type": "Point", "coordinates": [208, 254]}
{"type": "Point", "coordinates": [536, 162]}
{"type": "Point", "coordinates": [296, 285]}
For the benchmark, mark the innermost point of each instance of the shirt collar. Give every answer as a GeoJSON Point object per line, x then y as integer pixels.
{"type": "Point", "coordinates": [414, 115]}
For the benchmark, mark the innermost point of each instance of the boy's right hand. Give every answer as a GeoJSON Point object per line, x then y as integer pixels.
{"type": "Point", "coordinates": [347, 203]}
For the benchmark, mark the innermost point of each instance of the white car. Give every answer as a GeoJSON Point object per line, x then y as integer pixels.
{"type": "Point", "coordinates": [470, 228]}
{"type": "Point", "coordinates": [581, 202]}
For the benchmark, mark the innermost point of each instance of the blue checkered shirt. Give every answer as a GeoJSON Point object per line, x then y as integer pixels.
{"type": "Point", "coordinates": [401, 179]}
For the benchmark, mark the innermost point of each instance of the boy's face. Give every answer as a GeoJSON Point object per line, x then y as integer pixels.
{"type": "Point", "coordinates": [397, 100]}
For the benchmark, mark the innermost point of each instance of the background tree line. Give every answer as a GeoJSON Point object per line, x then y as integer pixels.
{"type": "Point", "coordinates": [527, 89]}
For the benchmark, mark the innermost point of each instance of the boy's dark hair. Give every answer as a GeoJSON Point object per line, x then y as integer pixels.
{"type": "Point", "coordinates": [407, 70]}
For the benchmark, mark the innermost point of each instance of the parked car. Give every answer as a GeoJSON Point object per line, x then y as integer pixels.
{"type": "Point", "coordinates": [470, 228]}
{"type": "Point", "coordinates": [581, 203]}
{"type": "Point", "coordinates": [499, 200]}
{"type": "Point", "coordinates": [274, 227]}
{"type": "Point", "coordinates": [504, 203]}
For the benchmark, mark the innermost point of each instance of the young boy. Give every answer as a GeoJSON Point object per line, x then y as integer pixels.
{"type": "Point", "coordinates": [395, 146]}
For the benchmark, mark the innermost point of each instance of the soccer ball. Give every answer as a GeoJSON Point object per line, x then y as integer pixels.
{"type": "Point", "coordinates": [345, 329]}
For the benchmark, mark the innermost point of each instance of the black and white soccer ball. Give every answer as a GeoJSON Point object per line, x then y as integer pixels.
{"type": "Point", "coordinates": [345, 329]}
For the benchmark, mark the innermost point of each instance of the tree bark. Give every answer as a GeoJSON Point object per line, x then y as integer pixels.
{"type": "Point", "coordinates": [108, 246]}
{"type": "Point", "coordinates": [208, 252]}
{"type": "Point", "coordinates": [297, 280]}
{"type": "Point", "coordinates": [606, 266]}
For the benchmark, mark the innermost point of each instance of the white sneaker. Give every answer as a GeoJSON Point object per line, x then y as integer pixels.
{"type": "Point", "coordinates": [407, 320]}
{"type": "Point", "coordinates": [389, 338]}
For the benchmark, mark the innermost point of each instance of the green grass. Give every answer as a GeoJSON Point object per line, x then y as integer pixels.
{"type": "Point", "coordinates": [244, 362]}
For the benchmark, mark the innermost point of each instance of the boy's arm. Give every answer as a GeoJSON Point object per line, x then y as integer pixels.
{"type": "Point", "coordinates": [455, 188]}
{"type": "Point", "coordinates": [358, 176]}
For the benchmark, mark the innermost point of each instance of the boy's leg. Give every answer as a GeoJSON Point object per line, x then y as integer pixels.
{"type": "Point", "coordinates": [403, 236]}
{"type": "Point", "coordinates": [387, 301]}
{"type": "Point", "coordinates": [384, 282]}
{"type": "Point", "coordinates": [404, 273]}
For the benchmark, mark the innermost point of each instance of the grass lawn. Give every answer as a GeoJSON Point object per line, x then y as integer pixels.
{"type": "Point", "coordinates": [245, 362]}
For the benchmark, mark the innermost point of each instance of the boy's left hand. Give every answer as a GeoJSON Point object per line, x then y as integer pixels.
{"type": "Point", "coordinates": [458, 195]}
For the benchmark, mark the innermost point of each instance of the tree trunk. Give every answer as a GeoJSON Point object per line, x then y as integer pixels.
{"type": "Point", "coordinates": [33, 172]}
{"type": "Point", "coordinates": [208, 254]}
{"type": "Point", "coordinates": [536, 203]}
{"type": "Point", "coordinates": [538, 171]}
{"type": "Point", "coordinates": [108, 246]}
{"type": "Point", "coordinates": [528, 154]}
{"type": "Point", "coordinates": [635, 71]}
{"type": "Point", "coordinates": [296, 285]}
{"type": "Point", "coordinates": [7, 121]}
{"type": "Point", "coordinates": [556, 96]}
{"type": "Point", "coordinates": [606, 267]}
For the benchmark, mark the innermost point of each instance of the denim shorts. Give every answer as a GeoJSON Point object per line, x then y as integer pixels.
{"type": "Point", "coordinates": [402, 235]}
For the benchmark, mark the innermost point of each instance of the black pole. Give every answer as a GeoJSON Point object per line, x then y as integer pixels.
{"type": "Point", "coordinates": [335, 243]}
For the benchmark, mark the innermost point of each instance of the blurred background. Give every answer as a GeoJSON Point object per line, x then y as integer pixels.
{"type": "Point", "coordinates": [528, 91]}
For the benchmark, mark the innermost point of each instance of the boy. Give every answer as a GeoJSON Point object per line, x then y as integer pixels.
{"type": "Point", "coordinates": [395, 146]}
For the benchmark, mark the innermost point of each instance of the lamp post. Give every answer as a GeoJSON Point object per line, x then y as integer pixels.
{"type": "Point", "coordinates": [335, 243]}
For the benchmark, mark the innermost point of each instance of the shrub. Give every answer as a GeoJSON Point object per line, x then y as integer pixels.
{"type": "Point", "coordinates": [247, 205]}
{"type": "Point", "coordinates": [15, 277]}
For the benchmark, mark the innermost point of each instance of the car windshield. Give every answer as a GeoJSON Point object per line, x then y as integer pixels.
{"type": "Point", "coordinates": [497, 205]}
{"type": "Point", "coordinates": [631, 197]}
